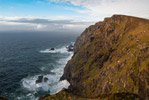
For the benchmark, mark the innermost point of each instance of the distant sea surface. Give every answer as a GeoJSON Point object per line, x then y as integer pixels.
{"type": "Point", "coordinates": [25, 55]}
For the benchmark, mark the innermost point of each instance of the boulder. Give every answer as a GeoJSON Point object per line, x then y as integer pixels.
{"type": "Point", "coordinates": [70, 48]}
{"type": "Point", "coordinates": [45, 79]}
{"type": "Point", "coordinates": [39, 79]}
{"type": "Point", "coordinates": [52, 49]}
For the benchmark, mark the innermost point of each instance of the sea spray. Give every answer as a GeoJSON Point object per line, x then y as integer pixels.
{"type": "Point", "coordinates": [57, 50]}
{"type": "Point", "coordinates": [53, 85]}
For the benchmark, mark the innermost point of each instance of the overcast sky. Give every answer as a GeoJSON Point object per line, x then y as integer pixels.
{"type": "Point", "coordinates": [64, 14]}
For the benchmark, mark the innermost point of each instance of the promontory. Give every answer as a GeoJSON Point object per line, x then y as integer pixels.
{"type": "Point", "coordinates": [110, 62]}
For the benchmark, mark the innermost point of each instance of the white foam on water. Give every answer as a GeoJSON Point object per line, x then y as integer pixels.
{"type": "Point", "coordinates": [59, 86]}
{"type": "Point", "coordinates": [57, 50]}
{"type": "Point", "coordinates": [53, 85]}
{"type": "Point", "coordinates": [30, 84]}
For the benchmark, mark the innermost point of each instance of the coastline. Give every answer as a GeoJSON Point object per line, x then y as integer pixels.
{"type": "Point", "coordinates": [104, 65]}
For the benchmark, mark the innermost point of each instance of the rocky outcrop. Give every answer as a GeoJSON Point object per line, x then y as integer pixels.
{"type": "Point", "coordinates": [45, 79]}
{"type": "Point", "coordinates": [39, 79]}
{"type": "Point", "coordinates": [52, 49]}
{"type": "Point", "coordinates": [70, 48]}
{"type": "Point", "coordinates": [110, 58]}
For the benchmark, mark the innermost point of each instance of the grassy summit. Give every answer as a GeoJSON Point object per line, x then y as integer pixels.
{"type": "Point", "coordinates": [111, 62]}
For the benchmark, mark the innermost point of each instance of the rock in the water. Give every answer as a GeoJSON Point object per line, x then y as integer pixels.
{"type": "Point", "coordinates": [45, 79]}
{"type": "Point", "coordinates": [39, 80]}
{"type": "Point", "coordinates": [52, 49]}
{"type": "Point", "coordinates": [70, 48]}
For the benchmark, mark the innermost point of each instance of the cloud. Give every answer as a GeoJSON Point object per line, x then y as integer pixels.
{"type": "Point", "coordinates": [38, 24]}
{"type": "Point", "coordinates": [102, 8]}
{"type": "Point", "coordinates": [90, 11]}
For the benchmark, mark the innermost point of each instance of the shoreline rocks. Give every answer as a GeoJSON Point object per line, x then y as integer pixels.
{"type": "Point", "coordinates": [52, 49]}
{"type": "Point", "coordinates": [45, 79]}
{"type": "Point", "coordinates": [41, 79]}
{"type": "Point", "coordinates": [70, 48]}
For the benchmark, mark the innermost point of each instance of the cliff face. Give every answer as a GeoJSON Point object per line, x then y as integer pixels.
{"type": "Point", "coordinates": [110, 57]}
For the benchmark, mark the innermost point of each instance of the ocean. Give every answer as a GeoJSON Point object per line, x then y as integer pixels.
{"type": "Point", "coordinates": [25, 55]}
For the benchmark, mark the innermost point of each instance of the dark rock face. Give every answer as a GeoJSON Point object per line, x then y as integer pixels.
{"type": "Point", "coordinates": [111, 57]}
{"type": "Point", "coordinates": [52, 49]}
{"type": "Point", "coordinates": [39, 79]}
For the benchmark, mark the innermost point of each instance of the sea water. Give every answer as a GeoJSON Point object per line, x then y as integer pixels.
{"type": "Point", "coordinates": [25, 55]}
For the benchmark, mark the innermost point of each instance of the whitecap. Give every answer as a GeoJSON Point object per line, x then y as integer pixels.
{"type": "Point", "coordinates": [53, 85]}
{"type": "Point", "coordinates": [57, 50]}
{"type": "Point", "coordinates": [30, 84]}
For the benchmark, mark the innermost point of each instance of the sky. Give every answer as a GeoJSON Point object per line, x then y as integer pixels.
{"type": "Point", "coordinates": [50, 15]}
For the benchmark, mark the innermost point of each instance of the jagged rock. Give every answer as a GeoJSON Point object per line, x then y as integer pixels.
{"type": "Point", "coordinates": [70, 48]}
{"type": "Point", "coordinates": [45, 79]}
{"type": "Point", "coordinates": [39, 79]}
{"type": "Point", "coordinates": [52, 49]}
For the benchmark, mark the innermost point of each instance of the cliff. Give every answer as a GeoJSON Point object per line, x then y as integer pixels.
{"type": "Point", "coordinates": [111, 61]}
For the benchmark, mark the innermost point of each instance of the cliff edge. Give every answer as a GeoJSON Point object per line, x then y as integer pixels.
{"type": "Point", "coordinates": [110, 61]}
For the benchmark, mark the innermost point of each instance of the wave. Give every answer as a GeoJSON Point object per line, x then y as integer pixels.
{"type": "Point", "coordinates": [53, 85]}
{"type": "Point", "coordinates": [57, 50]}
